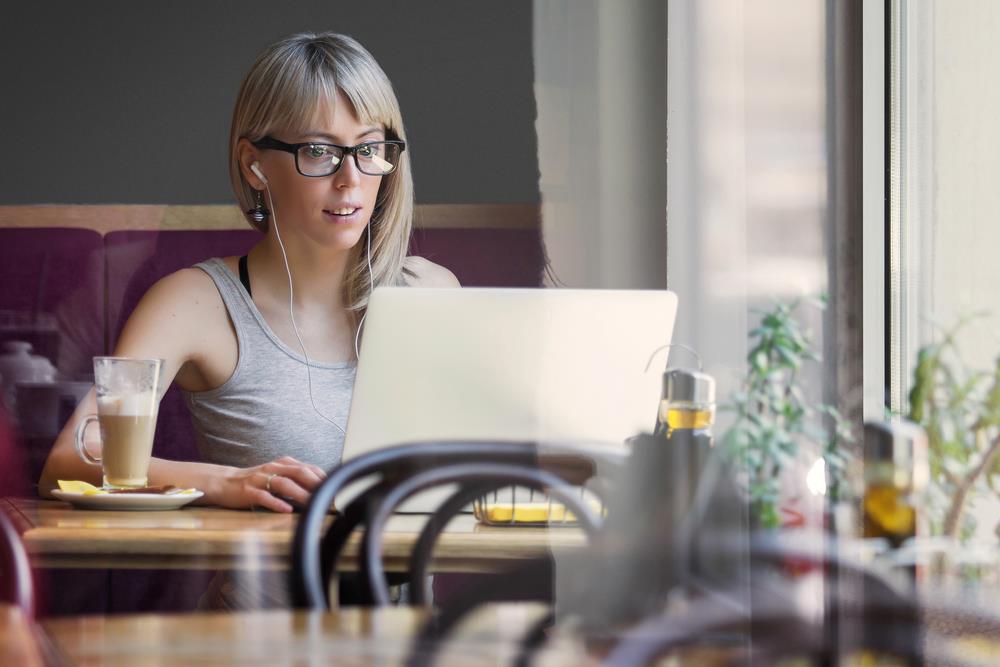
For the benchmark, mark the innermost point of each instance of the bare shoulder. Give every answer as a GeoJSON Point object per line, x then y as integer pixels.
{"type": "Point", "coordinates": [180, 302]}
{"type": "Point", "coordinates": [186, 289]}
{"type": "Point", "coordinates": [425, 273]}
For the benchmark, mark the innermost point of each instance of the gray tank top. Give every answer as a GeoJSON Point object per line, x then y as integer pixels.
{"type": "Point", "coordinates": [263, 412]}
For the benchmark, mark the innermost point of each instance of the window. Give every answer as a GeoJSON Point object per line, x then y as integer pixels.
{"type": "Point", "coordinates": [943, 235]}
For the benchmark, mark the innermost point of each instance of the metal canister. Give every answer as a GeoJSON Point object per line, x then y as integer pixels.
{"type": "Point", "coordinates": [687, 401]}
{"type": "Point", "coordinates": [896, 470]}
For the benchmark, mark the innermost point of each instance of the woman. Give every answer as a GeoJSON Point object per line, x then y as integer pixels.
{"type": "Point", "coordinates": [265, 352]}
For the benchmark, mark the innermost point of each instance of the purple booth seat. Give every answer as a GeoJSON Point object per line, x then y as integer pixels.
{"type": "Point", "coordinates": [484, 257]}
{"type": "Point", "coordinates": [52, 294]}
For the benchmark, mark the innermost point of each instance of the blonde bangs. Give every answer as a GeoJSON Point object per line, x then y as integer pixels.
{"type": "Point", "coordinates": [292, 102]}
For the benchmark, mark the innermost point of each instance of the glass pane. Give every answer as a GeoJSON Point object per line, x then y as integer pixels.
{"type": "Point", "coordinates": [945, 168]}
{"type": "Point", "coordinates": [747, 187]}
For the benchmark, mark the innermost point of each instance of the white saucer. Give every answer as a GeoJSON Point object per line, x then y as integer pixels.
{"type": "Point", "coordinates": [128, 501]}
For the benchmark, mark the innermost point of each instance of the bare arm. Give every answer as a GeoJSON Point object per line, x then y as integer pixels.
{"type": "Point", "coordinates": [63, 463]}
{"type": "Point", "coordinates": [183, 321]}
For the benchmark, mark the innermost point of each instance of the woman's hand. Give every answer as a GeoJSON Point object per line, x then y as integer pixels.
{"type": "Point", "coordinates": [266, 485]}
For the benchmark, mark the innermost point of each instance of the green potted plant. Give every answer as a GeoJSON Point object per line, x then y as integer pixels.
{"type": "Point", "coordinates": [959, 409]}
{"type": "Point", "coordinates": [774, 417]}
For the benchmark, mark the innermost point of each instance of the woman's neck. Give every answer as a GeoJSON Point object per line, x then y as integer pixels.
{"type": "Point", "coordinates": [317, 276]}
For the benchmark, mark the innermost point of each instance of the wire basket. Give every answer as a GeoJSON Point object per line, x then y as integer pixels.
{"type": "Point", "coordinates": [521, 506]}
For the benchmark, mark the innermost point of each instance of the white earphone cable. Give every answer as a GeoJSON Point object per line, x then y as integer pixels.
{"type": "Point", "coordinates": [371, 282]}
{"type": "Point", "coordinates": [291, 311]}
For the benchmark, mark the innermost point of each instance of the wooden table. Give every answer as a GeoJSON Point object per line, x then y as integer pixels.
{"type": "Point", "coordinates": [277, 638]}
{"type": "Point", "coordinates": [58, 536]}
{"type": "Point", "coordinates": [354, 636]}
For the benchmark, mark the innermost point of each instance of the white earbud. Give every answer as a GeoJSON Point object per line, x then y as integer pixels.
{"type": "Point", "coordinates": [255, 168]}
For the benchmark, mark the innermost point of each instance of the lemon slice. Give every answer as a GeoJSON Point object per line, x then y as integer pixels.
{"type": "Point", "coordinates": [80, 487]}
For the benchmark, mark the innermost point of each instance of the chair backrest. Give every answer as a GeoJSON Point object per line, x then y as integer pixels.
{"type": "Point", "coordinates": [314, 556]}
{"type": "Point", "coordinates": [870, 613]}
{"type": "Point", "coordinates": [16, 586]}
{"type": "Point", "coordinates": [481, 476]}
{"type": "Point", "coordinates": [469, 492]}
{"type": "Point", "coordinates": [864, 613]}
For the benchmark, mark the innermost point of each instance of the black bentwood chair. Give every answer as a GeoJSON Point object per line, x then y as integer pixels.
{"type": "Point", "coordinates": [668, 573]}
{"type": "Point", "coordinates": [402, 471]}
{"type": "Point", "coordinates": [16, 586]}
{"type": "Point", "coordinates": [868, 614]}
{"type": "Point", "coordinates": [871, 615]}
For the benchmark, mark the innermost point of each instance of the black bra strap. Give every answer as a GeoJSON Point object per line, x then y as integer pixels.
{"type": "Point", "coordinates": [245, 275]}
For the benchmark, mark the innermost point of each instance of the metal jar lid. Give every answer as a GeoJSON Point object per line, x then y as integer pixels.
{"type": "Point", "coordinates": [684, 384]}
{"type": "Point", "coordinates": [901, 443]}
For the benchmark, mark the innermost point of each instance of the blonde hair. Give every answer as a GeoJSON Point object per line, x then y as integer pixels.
{"type": "Point", "coordinates": [290, 83]}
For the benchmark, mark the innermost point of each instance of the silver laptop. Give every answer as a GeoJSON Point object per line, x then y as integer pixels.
{"type": "Point", "coordinates": [518, 364]}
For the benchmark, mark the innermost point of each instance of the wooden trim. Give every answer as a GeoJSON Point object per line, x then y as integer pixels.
{"type": "Point", "coordinates": [491, 216]}
{"type": "Point", "coordinates": [348, 562]}
{"type": "Point", "coordinates": [102, 219]}
{"type": "Point", "coordinates": [115, 217]}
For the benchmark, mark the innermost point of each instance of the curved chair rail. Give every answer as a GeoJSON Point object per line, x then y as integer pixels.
{"type": "Point", "coordinates": [495, 474]}
{"type": "Point", "coordinates": [307, 573]}
{"type": "Point", "coordinates": [16, 587]}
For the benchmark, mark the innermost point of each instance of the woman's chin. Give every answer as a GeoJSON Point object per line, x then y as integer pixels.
{"type": "Point", "coordinates": [343, 236]}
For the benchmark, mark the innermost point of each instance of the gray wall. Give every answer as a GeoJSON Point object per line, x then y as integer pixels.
{"type": "Point", "coordinates": [129, 102]}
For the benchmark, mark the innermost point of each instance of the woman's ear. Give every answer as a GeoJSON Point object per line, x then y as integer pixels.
{"type": "Point", "coordinates": [247, 154]}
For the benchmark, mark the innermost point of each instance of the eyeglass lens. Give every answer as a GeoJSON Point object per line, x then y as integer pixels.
{"type": "Point", "coordinates": [376, 159]}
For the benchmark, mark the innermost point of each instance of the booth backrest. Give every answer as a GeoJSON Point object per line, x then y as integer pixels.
{"type": "Point", "coordinates": [52, 293]}
{"type": "Point", "coordinates": [478, 257]}
{"type": "Point", "coordinates": [484, 257]}
{"type": "Point", "coordinates": [88, 286]}
{"type": "Point", "coordinates": [137, 259]}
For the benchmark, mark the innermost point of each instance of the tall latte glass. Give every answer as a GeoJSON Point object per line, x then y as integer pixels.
{"type": "Point", "coordinates": [127, 402]}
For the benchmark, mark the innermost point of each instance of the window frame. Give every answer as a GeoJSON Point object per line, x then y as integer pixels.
{"type": "Point", "coordinates": [876, 307]}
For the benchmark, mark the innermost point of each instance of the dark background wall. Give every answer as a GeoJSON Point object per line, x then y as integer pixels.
{"type": "Point", "coordinates": [129, 102]}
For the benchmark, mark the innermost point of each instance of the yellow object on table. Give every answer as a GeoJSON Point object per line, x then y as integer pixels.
{"type": "Point", "coordinates": [80, 487]}
{"type": "Point", "coordinates": [524, 513]}
{"type": "Point", "coordinates": [88, 489]}
{"type": "Point", "coordinates": [538, 513]}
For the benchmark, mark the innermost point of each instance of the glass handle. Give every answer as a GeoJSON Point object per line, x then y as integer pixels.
{"type": "Point", "coordinates": [688, 348]}
{"type": "Point", "coordinates": [81, 447]}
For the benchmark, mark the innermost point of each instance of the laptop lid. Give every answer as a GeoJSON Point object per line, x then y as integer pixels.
{"type": "Point", "coordinates": [519, 364]}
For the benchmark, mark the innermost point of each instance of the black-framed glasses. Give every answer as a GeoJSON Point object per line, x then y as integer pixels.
{"type": "Point", "coordinates": [315, 159]}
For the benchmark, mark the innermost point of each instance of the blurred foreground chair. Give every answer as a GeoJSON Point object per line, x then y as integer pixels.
{"type": "Point", "coordinates": [16, 586]}
{"type": "Point", "coordinates": [673, 572]}
{"type": "Point", "coordinates": [397, 473]}
{"type": "Point", "coordinates": [867, 616]}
